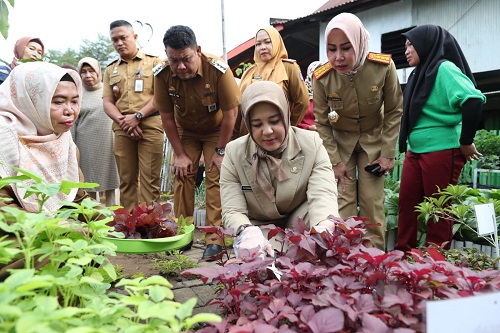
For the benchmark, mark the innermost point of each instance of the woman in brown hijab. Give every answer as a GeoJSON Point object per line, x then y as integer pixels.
{"type": "Point", "coordinates": [26, 48]}
{"type": "Point", "coordinates": [271, 64]}
{"type": "Point", "coordinates": [276, 173]}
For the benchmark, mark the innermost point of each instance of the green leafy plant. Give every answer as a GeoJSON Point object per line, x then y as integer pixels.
{"type": "Point", "coordinates": [456, 203]}
{"type": "Point", "coordinates": [242, 67]}
{"type": "Point", "coordinates": [65, 279]}
{"type": "Point", "coordinates": [41, 189]}
{"type": "Point", "coordinates": [173, 264]}
{"type": "Point", "coordinates": [391, 204]}
{"type": "Point", "coordinates": [488, 143]}
{"type": "Point", "coordinates": [200, 195]}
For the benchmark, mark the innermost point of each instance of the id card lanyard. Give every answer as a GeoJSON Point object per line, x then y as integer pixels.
{"type": "Point", "coordinates": [138, 82]}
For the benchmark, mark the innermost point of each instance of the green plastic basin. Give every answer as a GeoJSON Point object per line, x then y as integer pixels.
{"type": "Point", "coordinates": [153, 245]}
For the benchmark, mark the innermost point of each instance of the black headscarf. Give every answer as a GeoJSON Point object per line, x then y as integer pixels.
{"type": "Point", "coordinates": [433, 45]}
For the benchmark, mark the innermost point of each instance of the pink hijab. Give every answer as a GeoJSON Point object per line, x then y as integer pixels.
{"type": "Point", "coordinates": [28, 140]}
{"type": "Point", "coordinates": [355, 31]}
{"type": "Point", "coordinates": [21, 46]}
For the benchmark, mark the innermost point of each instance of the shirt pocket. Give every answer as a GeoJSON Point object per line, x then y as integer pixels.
{"type": "Point", "coordinates": [115, 80]}
{"type": "Point", "coordinates": [374, 99]}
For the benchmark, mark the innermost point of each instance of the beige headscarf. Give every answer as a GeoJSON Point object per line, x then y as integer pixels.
{"type": "Point", "coordinates": [95, 65]}
{"type": "Point", "coordinates": [355, 31]}
{"type": "Point", "coordinates": [273, 70]}
{"type": "Point", "coordinates": [268, 92]}
{"type": "Point", "coordinates": [20, 46]}
{"type": "Point", "coordinates": [28, 140]}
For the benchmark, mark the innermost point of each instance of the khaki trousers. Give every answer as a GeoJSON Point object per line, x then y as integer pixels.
{"type": "Point", "coordinates": [194, 144]}
{"type": "Point", "coordinates": [139, 161]}
{"type": "Point", "coordinates": [367, 191]}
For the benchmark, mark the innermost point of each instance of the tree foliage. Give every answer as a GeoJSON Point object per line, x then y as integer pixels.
{"type": "Point", "coordinates": [101, 49]}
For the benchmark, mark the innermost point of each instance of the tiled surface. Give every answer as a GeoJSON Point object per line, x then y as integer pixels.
{"type": "Point", "coordinates": [183, 289]}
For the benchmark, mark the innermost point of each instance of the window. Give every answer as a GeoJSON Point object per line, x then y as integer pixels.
{"type": "Point", "coordinates": [394, 43]}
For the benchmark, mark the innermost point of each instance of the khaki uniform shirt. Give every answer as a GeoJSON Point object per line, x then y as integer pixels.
{"type": "Point", "coordinates": [369, 105]}
{"type": "Point", "coordinates": [124, 75]}
{"type": "Point", "coordinates": [198, 103]}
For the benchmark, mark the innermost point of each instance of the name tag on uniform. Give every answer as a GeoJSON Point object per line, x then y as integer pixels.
{"type": "Point", "coordinates": [212, 107]}
{"type": "Point", "coordinates": [138, 85]}
{"type": "Point", "coordinates": [246, 187]}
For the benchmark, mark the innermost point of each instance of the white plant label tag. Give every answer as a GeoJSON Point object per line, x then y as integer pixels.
{"type": "Point", "coordinates": [485, 216]}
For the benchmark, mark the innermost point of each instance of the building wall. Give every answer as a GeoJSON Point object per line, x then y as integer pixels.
{"type": "Point", "coordinates": [474, 24]}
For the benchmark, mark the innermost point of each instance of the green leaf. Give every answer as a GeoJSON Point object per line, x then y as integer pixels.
{"type": "Point", "coordinates": [202, 318]}
{"type": "Point", "coordinates": [110, 270]}
{"type": "Point", "coordinates": [4, 19]}
{"type": "Point", "coordinates": [158, 293]}
{"type": "Point", "coordinates": [186, 309]}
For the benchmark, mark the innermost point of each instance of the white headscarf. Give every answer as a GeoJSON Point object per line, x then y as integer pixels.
{"type": "Point", "coordinates": [355, 31]}
{"type": "Point", "coordinates": [27, 138]}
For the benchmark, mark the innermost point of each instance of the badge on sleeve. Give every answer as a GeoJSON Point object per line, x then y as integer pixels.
{"type": "Point", "coordinates": [158, 68]}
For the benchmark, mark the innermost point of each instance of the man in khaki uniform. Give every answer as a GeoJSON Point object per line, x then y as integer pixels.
{"type": "Point", "coordinates": [198, 99]}
{"type": "Point", "coordinates": [128, 100]}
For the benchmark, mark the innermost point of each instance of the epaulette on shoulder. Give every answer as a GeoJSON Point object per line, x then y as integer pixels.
{"type": "Point", "coordinates": [159, 67]}
{"type": "Point", "coordinates": [289, 60]}
{"type": "Point", "coordinates": [219, 64]}
{"type": "Point", "coordinates": [322, 70]}
{"type": "Point", "coordinates": [382, 58]}
{"type": "Point", "coordinates": [111, 63]}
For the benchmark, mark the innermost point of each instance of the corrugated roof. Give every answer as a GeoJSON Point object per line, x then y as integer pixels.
{"type": "Point", "coordinates": [328, 5]}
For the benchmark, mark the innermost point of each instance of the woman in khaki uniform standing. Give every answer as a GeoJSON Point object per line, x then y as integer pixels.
{"type": "Point", "coordinates": [271, 64]}
{"type": "Point", "coordinates": [358, 107]}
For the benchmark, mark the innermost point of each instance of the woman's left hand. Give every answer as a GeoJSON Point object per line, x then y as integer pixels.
{"type": "Point", "coordinates": [470, 152]}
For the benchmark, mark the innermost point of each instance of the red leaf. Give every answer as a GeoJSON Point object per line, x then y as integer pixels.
{"type": "Point", "coordinates": [327, 321]}
{"type": "Point", "coordinates": [435, 254]}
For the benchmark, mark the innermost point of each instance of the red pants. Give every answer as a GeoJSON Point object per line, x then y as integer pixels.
{"type": "Point", "coordinates": [422, 175]}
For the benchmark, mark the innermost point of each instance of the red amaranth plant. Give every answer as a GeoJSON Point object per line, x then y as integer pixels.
{"type": "Point", "coordinates": [332, 282]}
{"type": "Point", "coordinates": [154, 221]}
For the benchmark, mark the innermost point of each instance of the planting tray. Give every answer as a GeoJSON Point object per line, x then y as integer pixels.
{"type": "Point", "coordinates": [153, 245]}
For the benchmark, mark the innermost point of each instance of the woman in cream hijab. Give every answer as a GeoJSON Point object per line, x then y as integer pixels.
{"type": "Point", "coordinates": [276, 173]}
{"type": "Point", "coordinates": [358, 105]}
{"type": "Point", "coordinates": [271, 64]}
{"type": "Point", "coordinates": [39, 102]}
{"type": "Point", "coordinates": [93, 135]}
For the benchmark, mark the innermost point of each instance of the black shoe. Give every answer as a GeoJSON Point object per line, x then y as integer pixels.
{"type": "Point", "coordinates": [212, 252]}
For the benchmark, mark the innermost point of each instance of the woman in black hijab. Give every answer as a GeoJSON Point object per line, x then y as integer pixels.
{"type": "Point", "coordinates": [441, 113]}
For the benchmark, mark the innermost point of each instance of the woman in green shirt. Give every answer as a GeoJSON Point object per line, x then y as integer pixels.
{"type": "Point", "coordinates": [441, 113]}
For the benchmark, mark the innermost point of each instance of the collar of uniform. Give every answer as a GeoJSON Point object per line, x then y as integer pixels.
{"type": "Point", "coordinates": [139, 55]}
{"type": "Point", "coordinates": [203, 59]}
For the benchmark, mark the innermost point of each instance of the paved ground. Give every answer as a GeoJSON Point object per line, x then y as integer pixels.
{"type": "Point", "coordinates": [183, 289]}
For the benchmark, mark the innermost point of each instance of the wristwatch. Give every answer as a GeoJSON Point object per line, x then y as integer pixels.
{"type": "Point", "coordinates": [241, 228]}
{"type": "Point", "coordinates": [220, 151]}
{"type": "Point", "coordinates": [139, 115]}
